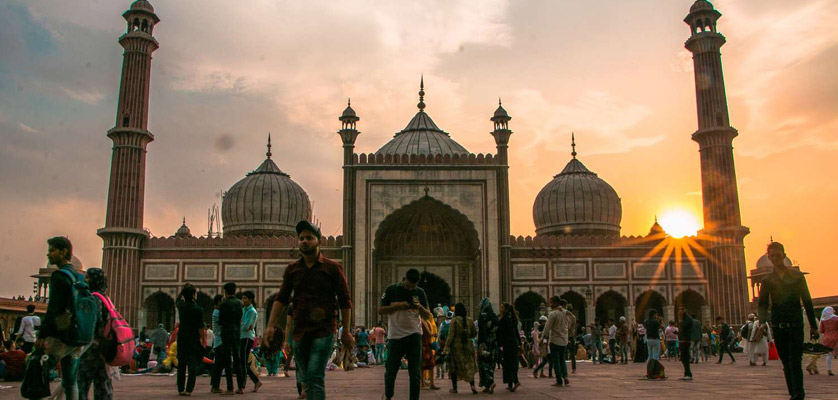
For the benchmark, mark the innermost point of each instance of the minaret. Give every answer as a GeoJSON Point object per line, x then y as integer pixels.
{"type": "Point", "coordinates": [501, 134]}
{"type": "Point", "coordinates": [348, 134]}
{"type": "Point", "coordinates": [123, 232]}
{"type": "Point", "coordinates": [728, 294]}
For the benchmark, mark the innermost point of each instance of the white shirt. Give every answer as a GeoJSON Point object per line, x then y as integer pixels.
{"type": "Point", "coordinates": [28, 325]}
{"type": "Point", "coordinates": [612, 332]}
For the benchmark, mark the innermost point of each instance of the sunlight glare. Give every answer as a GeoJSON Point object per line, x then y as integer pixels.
{"type": "Point", "coordinates": [679, 223]}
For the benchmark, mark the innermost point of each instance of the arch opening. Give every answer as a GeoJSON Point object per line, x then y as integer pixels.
{"type": "Point", "coordinates": [646, 302]}
{"type": "Point", "coordinates": [160, 309]}
{"type": "Point", "coordinates": [610, 305]}
{"type": "Point", "coordinates": [529, 306]}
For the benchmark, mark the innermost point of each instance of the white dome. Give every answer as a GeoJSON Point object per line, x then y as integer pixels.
{"type": "Point", "coordinates": [764, 262]}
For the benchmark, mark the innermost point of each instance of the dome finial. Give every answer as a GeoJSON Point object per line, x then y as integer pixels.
{"type": "Point", "coordinates": [573, 146]}
{"type": "Point", "coordinates": [421, 104]}
{"type": "Point", "coordinates": [269, 146]}
{"type": "Point", "coordinates": [499, 102]}
{"type": "Point", "coordinates": [348, 101]}
{"type": "Point", "coordinates": [184, 220]}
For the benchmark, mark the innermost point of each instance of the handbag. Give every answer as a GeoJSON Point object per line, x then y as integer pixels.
{"type": "Point", "coordinates": [36, 380]}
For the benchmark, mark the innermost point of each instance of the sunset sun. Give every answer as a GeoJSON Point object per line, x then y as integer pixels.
{"type": "Point", "coordinates": [679, 223]}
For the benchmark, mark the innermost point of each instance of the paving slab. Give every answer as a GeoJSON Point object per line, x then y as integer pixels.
{"type": "Point", "coordinates": [590, 382]}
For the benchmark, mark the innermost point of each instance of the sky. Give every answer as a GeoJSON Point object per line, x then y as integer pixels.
{"type": "Point", "coordinates": [227, 73]}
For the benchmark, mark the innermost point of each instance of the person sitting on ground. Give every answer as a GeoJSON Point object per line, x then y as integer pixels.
{"type": "Point", "coordinates": [15, 360]}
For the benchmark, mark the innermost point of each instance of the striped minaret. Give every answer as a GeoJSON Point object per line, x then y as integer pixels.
{"type": "Point", "coordinates": [728, 291]}
{"type": "Point", "coordinates": [123, 232]}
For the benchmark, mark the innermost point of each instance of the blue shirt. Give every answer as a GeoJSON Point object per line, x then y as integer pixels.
{"type": "Point", "coordinates": [216, 342]}
{"type": "Point", "coordinates": [248, 329]}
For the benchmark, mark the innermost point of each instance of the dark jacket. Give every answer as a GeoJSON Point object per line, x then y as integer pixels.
{"type": "Point", "coordinates": [191, 322]}
{"type": "Point", "coordinates": [784, 293]}
{"type": "Point", "coordinates": [60, 299]}
{"type": "Point", "coordinates": [685, 331]}
{"type": "Point", "coordinates": [230, 319]}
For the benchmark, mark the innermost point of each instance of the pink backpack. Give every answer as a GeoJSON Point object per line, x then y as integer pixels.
{"type": "Point", "coordinates": [119, 344]}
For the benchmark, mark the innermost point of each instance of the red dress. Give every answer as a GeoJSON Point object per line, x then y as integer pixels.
{"type": "Point", "coordinates": [829, 330]}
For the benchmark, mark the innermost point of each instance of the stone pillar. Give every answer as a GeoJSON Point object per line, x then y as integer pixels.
{"type": "Point", "coordinates": [630, 311]}
{"type": "Point", "coordinates": [668, 313]}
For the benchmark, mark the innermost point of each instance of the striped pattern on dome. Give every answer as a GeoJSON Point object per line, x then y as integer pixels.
{"type": "Point", "coordinates": [422, 136]}
{"type": "Point", "coordinates": [577, 202]}
{"type": "Point", "coordinates": [266, 202]}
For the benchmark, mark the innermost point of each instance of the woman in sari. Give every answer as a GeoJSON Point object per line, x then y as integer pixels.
{"type": "Point", "coordinates": [509, 340]}
{"type": "Point", "coordinates": [460, 349]}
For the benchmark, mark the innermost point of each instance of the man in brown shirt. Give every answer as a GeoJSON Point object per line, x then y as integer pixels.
{"type": "Point", "coordinates": [319, 289]}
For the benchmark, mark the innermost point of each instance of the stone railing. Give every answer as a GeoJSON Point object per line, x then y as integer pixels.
{"type": "Point", "coordinates": [422, 159]}
{"type": "Point", "coordinates": [235, 241]}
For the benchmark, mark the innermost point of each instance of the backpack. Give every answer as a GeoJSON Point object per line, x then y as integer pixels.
{"type": "Point", "coordinates": [119, 337]}
{"type": "Point", "coordinates": [655, 370]}
{"type": "Point", "coordinates": [78, 326]}
{"type": "Point", "coordinates": [743, 332]}
{"type": "Point", "coordinates": [36, 377]}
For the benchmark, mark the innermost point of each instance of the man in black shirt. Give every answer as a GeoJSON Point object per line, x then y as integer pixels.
{"type": "Point", "coordinates": [189, 347]}
{"type": "Point", "coordinates": [229, 320]}
{"type": "Point", "coordinates": [405, 303]}
{"type": "Point", "coordinates": [784, 289]}
{"type": "Point", "coordinates": [726, 337]}
{"type": "Point", "coordinates": [684, 338]}
{"type": "Point", "coordinates": [653, 335]}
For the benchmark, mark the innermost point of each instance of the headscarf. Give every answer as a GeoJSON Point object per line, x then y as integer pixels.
{"type": "Point", "coordinates": [487, 323]}
{"type": "Point", "coordinates": [96, 280]}
{"type": "Point", "coordinates": [828, 313]}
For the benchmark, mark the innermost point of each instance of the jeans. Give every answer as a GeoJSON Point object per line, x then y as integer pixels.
{"type": "Point", "coordinates": [244, 352]}
{"type": "Point", "coordinates": [545, 359]}
{"type": "Point", "coordinates": [188, 358]}
{"type": "Point", "coordinates": [724, 347]}
{"type": "Point", "coordinates": [229, 350]}
{"type": "Point", "coordinates": [654, 348]}
{"type": "Point", "coordinates": [571, 346]}
{"type": "Point", "coordinates": [789, 342]}
{"type": "Point", "coordinates": [624, 353]}
{"type": "Point", "coordinates": [312, 355]}
{"type": "Point", "coordinates": [685, 357]}
{"type": "Point", "coordinates": [596, 346]}
{"type": "Point", "coordinates": [695, 350]}
{"type": "Point", "coordinates": [68, 357]}
{"type": "Point", "coordinates": [559, 355]}
{"type": "Point", "coordinates": [612, 347]}
{"type": "Point", "coordinates": [379, 353]}
{"type": "Point", "coordinates": [411, 347]}
{"type": "Point", "coordinates": [671, 349]}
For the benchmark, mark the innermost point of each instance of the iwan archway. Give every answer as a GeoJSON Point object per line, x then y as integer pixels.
{"type": "Point", "coordinates": [434, 238]}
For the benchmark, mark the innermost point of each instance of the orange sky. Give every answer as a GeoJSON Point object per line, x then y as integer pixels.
{"type": "Point", "coordinates": [614, 72]}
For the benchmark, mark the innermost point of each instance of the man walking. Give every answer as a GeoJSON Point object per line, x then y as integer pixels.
{"type": "Point", "coordinates": [725, 340]}
{"type": "Point", "coordinates": [319, 289]}
{"type": "Point", "coordinates": [783, 290]}
{"type": "Point", "coordinates": [695, 339]}
{"type": "Point", "coordinates": [380, 340]}
{"type": "Point", "coordinates": [405, 303]}
{"type": "Point", "coordinates": [556, 331]}
{"type": "Point", "coordinates": [684, 338]}
{"type": "Point", "coordinates": [612, 340]}
{"type": "Point", "coordinates": [59, 252]}
{"type": "Point", "coordinates": [29, 326]}
{"type": "Point", "coordinates": [596, 342]}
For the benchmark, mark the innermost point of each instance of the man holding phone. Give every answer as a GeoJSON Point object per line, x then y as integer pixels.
{"type": "Point", "coordinates": [405, 303]}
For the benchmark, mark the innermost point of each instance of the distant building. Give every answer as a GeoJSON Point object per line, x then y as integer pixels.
{"type": "Point", "coordinates": [424, 201]}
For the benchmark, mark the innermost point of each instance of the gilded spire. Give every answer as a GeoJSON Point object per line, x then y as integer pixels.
{"type": "Point", "coordinates": [269, 146]}
{"type": "Point", "coordinates": [573, 146]}
{"type": "Point", "coordinates": [421, 104]}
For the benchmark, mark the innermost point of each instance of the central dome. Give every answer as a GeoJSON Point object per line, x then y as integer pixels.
{"type": "Point", "coordinates": [421, 136]}
{"type": "Point", "coordinates": [577, 202]}
{"type": "Point", "coordinates": [266, 202]}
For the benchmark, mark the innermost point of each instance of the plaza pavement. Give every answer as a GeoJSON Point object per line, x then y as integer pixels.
{"type": "Point", "coordinates": [715, 382]}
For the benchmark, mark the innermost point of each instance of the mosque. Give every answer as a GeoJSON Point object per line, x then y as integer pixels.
{"type": "Point", "coordinates": [424, 201]}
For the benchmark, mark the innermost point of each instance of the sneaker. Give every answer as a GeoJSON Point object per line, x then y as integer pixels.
{"type": "Point", "coordinates": [215, 390]}
{"type": "Point", "coordinates": [687, 378]}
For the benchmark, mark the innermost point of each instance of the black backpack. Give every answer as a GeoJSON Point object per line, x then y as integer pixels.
{"type": "Point", "coordinates": [35, 383]}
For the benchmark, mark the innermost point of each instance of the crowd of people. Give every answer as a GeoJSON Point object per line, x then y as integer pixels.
{"type": "Point", "coordinates": [304, 334]}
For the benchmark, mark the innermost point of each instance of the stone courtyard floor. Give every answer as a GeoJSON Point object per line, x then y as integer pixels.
{"type": "Point", "coordinates": [712, 381]}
